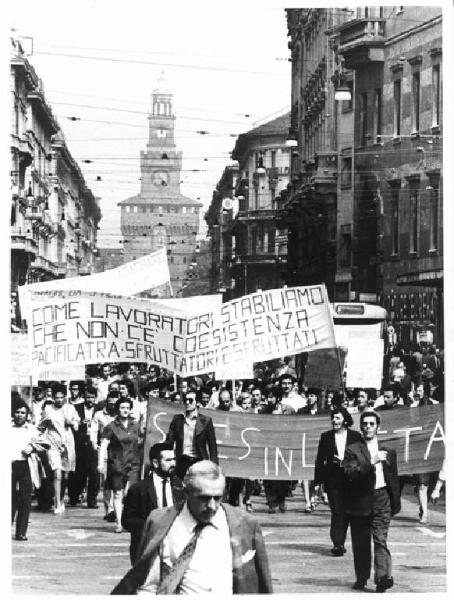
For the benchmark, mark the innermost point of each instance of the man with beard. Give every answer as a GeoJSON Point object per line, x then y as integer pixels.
{"type": "Point", "coordinates": [160, 489]}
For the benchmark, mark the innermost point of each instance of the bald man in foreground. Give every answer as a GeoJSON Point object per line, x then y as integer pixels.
{"type": "Point", "coordinates": [204, 547]}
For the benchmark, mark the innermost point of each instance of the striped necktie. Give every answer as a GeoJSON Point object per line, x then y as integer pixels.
{"type": "Point", "coordinates": [171, 580]}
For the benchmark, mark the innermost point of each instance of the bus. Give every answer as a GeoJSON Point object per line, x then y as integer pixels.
{"type": "Point", "coordinates": [360, 328]}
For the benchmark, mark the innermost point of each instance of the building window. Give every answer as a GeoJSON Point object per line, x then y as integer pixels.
{"type": "Point", "coordinates": [434, 212]}
{"type": "Point", "coordinates": [273, 158]}
{"type": "Point", "coordinates": [363, 118]}
{"type": "Point", "coordinates": [184, 260]}
{"type": "Point", "coordinates": [414, 221]}
{"type": "Point", "coordinates": [378, 115]}
{"type": "Point", "coordinates": [345, 250]}
{"type": "Point", "coordinates": [347, 105]}
{"type": "Point", "coordinates": [346, 172]}
{"type": "Point", "coordinates": [135, 209]}
{"type": "Point", "coordinates": [436, 95]}
{"type": "Point", "coordinates": [415, 100]}
{"type": "Point", "coordinates": [397, 106]}
{"type": "Point", "coordinates": [395, 222]}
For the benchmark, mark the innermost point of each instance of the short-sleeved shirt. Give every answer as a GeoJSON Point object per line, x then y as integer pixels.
{"type": "Point", "coordinates": [123, 449]}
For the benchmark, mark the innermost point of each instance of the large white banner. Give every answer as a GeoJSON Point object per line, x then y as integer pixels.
{"type": "Point", "coordinates": [187, 336]}
{"type": "Point", "coordinates": [274, 323]}
{"type": "Point", "coordinates": [126, 280]}
{"type": "Point", "coordinates": [68, 328]}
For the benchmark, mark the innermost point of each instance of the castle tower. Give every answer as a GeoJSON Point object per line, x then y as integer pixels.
{"type": "Point", "coordinates": [160, 215]}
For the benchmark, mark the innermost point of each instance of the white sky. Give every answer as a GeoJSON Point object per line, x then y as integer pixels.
{"type": "Point", "coordinates": [235, 46]}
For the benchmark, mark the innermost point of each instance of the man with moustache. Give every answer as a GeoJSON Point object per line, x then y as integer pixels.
{"type": "Point", "coordinates": [159, 489]}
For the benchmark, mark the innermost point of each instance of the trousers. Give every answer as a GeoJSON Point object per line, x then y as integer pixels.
{"type": "Point", "coordinates": [339, 520]}
{"type": "Point", "coordinates": [372, 527]}
{"type": "Point", "coordinates": [21, 495]}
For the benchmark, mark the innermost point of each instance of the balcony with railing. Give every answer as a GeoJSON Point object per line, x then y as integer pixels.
{"type": "Point", "coordinates": [259, 214]}
{"type": "Point", "coordinates": [362, 41]}
{"type": "Point", "coordinates": [22, 239]}
{"type": "Point", "coordinates": [43, 264]}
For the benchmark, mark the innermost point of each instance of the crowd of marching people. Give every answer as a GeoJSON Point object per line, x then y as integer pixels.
{"type": "Point", "coordinates": [70, 443]}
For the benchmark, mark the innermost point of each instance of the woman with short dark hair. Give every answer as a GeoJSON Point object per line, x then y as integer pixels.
{"type": "Point", "coordinates": [120, 440]}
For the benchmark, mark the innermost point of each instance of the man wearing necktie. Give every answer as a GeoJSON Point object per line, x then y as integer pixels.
{"type": "Point", "coordinates": [161, 488]}
{"type": "Point", "coordinates": [372, 497]}
{"type": "Point", "coordinates": [205, 547]}
{"type": "Point", "coordinates": [193, 436]}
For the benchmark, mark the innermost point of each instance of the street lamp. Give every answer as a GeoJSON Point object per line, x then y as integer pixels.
{"type": "Point", "coordinates": [77, 232]}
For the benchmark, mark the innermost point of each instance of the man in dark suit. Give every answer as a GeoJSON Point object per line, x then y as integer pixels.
{"type": "Point", "coordinates": [193, 436]}
{"type": "Point", "coordinates": [206, 547]}
{"type": "Point", "coordinates": [329, 471]}
{"type": "Point", "coordinates": [159, 489]}
{"type": "Point", "coordinates": [372, 498]}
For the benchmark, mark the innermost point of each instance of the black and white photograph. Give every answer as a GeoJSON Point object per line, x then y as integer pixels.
{"type": "Point", "coordinates": [229, 326]}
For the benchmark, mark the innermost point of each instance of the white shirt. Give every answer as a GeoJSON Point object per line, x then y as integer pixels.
{"type": "Point", "coordinates": [188, 433]}
{"type": "Point", "coordinates": [20, 439]}
{"type": "Point", "coordinates": [157, 480]}
{"type": "Point", "coordinates": [295, 401]}
{"type": "Point", "coordinates": [340, 438]}
{"type": "Point", "coordinates": [372, 446]}
{"type": "Point", "coordinates": [210, 569]}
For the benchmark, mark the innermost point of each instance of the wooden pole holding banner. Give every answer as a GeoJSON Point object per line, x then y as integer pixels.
{"type": "Point", "coordinates": [341, 372]}
{"type": "Point", "coordinates": [233, 392]}
{"type": "Point", "coordinates": [175, 381]}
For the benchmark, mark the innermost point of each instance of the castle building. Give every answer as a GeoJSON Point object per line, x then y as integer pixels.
{"type": "Point", "coordinates": [160, 215]}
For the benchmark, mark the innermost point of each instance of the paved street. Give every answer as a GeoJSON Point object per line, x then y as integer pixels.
{"type": "Point", "coordinates": [79, 553]}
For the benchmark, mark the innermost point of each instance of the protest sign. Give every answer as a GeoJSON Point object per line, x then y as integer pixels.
{"type": "Point", "coordinates": [235, 371]}
{"type": "Point", "coordinates": [284, 447]}
{"type": "Point", "coordinates": [73, 372]}
{"type": "Point", "coordinates": [74, 327]}
{"type": "Point", "coordinates": [273, 323]}
{"type": "Point", "coordinates": [364, 363]}
{"type": "Point", "coordinates": [324, 368]}
{"type": "Point", "coordinates": [135, 276]}
{"type": "Point", "coordinates": [20, 362]}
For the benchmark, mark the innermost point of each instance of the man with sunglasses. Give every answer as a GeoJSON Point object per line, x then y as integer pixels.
{"type": "Point", "coordinates": [193, 436]}
{"type": "Point", "coordinates": [372, 497]}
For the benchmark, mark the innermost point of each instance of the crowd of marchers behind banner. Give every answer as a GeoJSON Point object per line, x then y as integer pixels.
{"type": "Point", "coordinates": [66, 438]}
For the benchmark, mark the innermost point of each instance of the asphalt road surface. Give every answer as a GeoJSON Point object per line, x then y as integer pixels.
{"type": "Point", "coordinates": [79, 553]}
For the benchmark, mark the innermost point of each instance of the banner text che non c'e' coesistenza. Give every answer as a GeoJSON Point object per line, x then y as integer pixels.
{"type": "Point", "coordinates": [187, 336]}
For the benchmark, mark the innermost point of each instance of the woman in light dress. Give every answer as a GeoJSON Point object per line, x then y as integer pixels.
{"type": "Point", "coordinates": [58, 421]}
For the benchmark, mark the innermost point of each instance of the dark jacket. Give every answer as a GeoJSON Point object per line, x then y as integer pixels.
{"type": "Point", "coordinates": [250, 570]}
{"type": "Point", "coordinates": [140, 500]}
{"type": "Point", "coordinates": [360, 479]}
{"type": "Point", "coordinates": [205, 438]}
{"type": "Point", "coordinates": [326, 470]}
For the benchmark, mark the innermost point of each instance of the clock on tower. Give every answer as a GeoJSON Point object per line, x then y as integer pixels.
{"type": "Point", "coordinates": [160, 178]}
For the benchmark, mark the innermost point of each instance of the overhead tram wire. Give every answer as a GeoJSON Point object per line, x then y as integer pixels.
{"type": "Point", "coordinates": [160, 64]}
{"type": "Point", "coordinates": [144, 113]}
